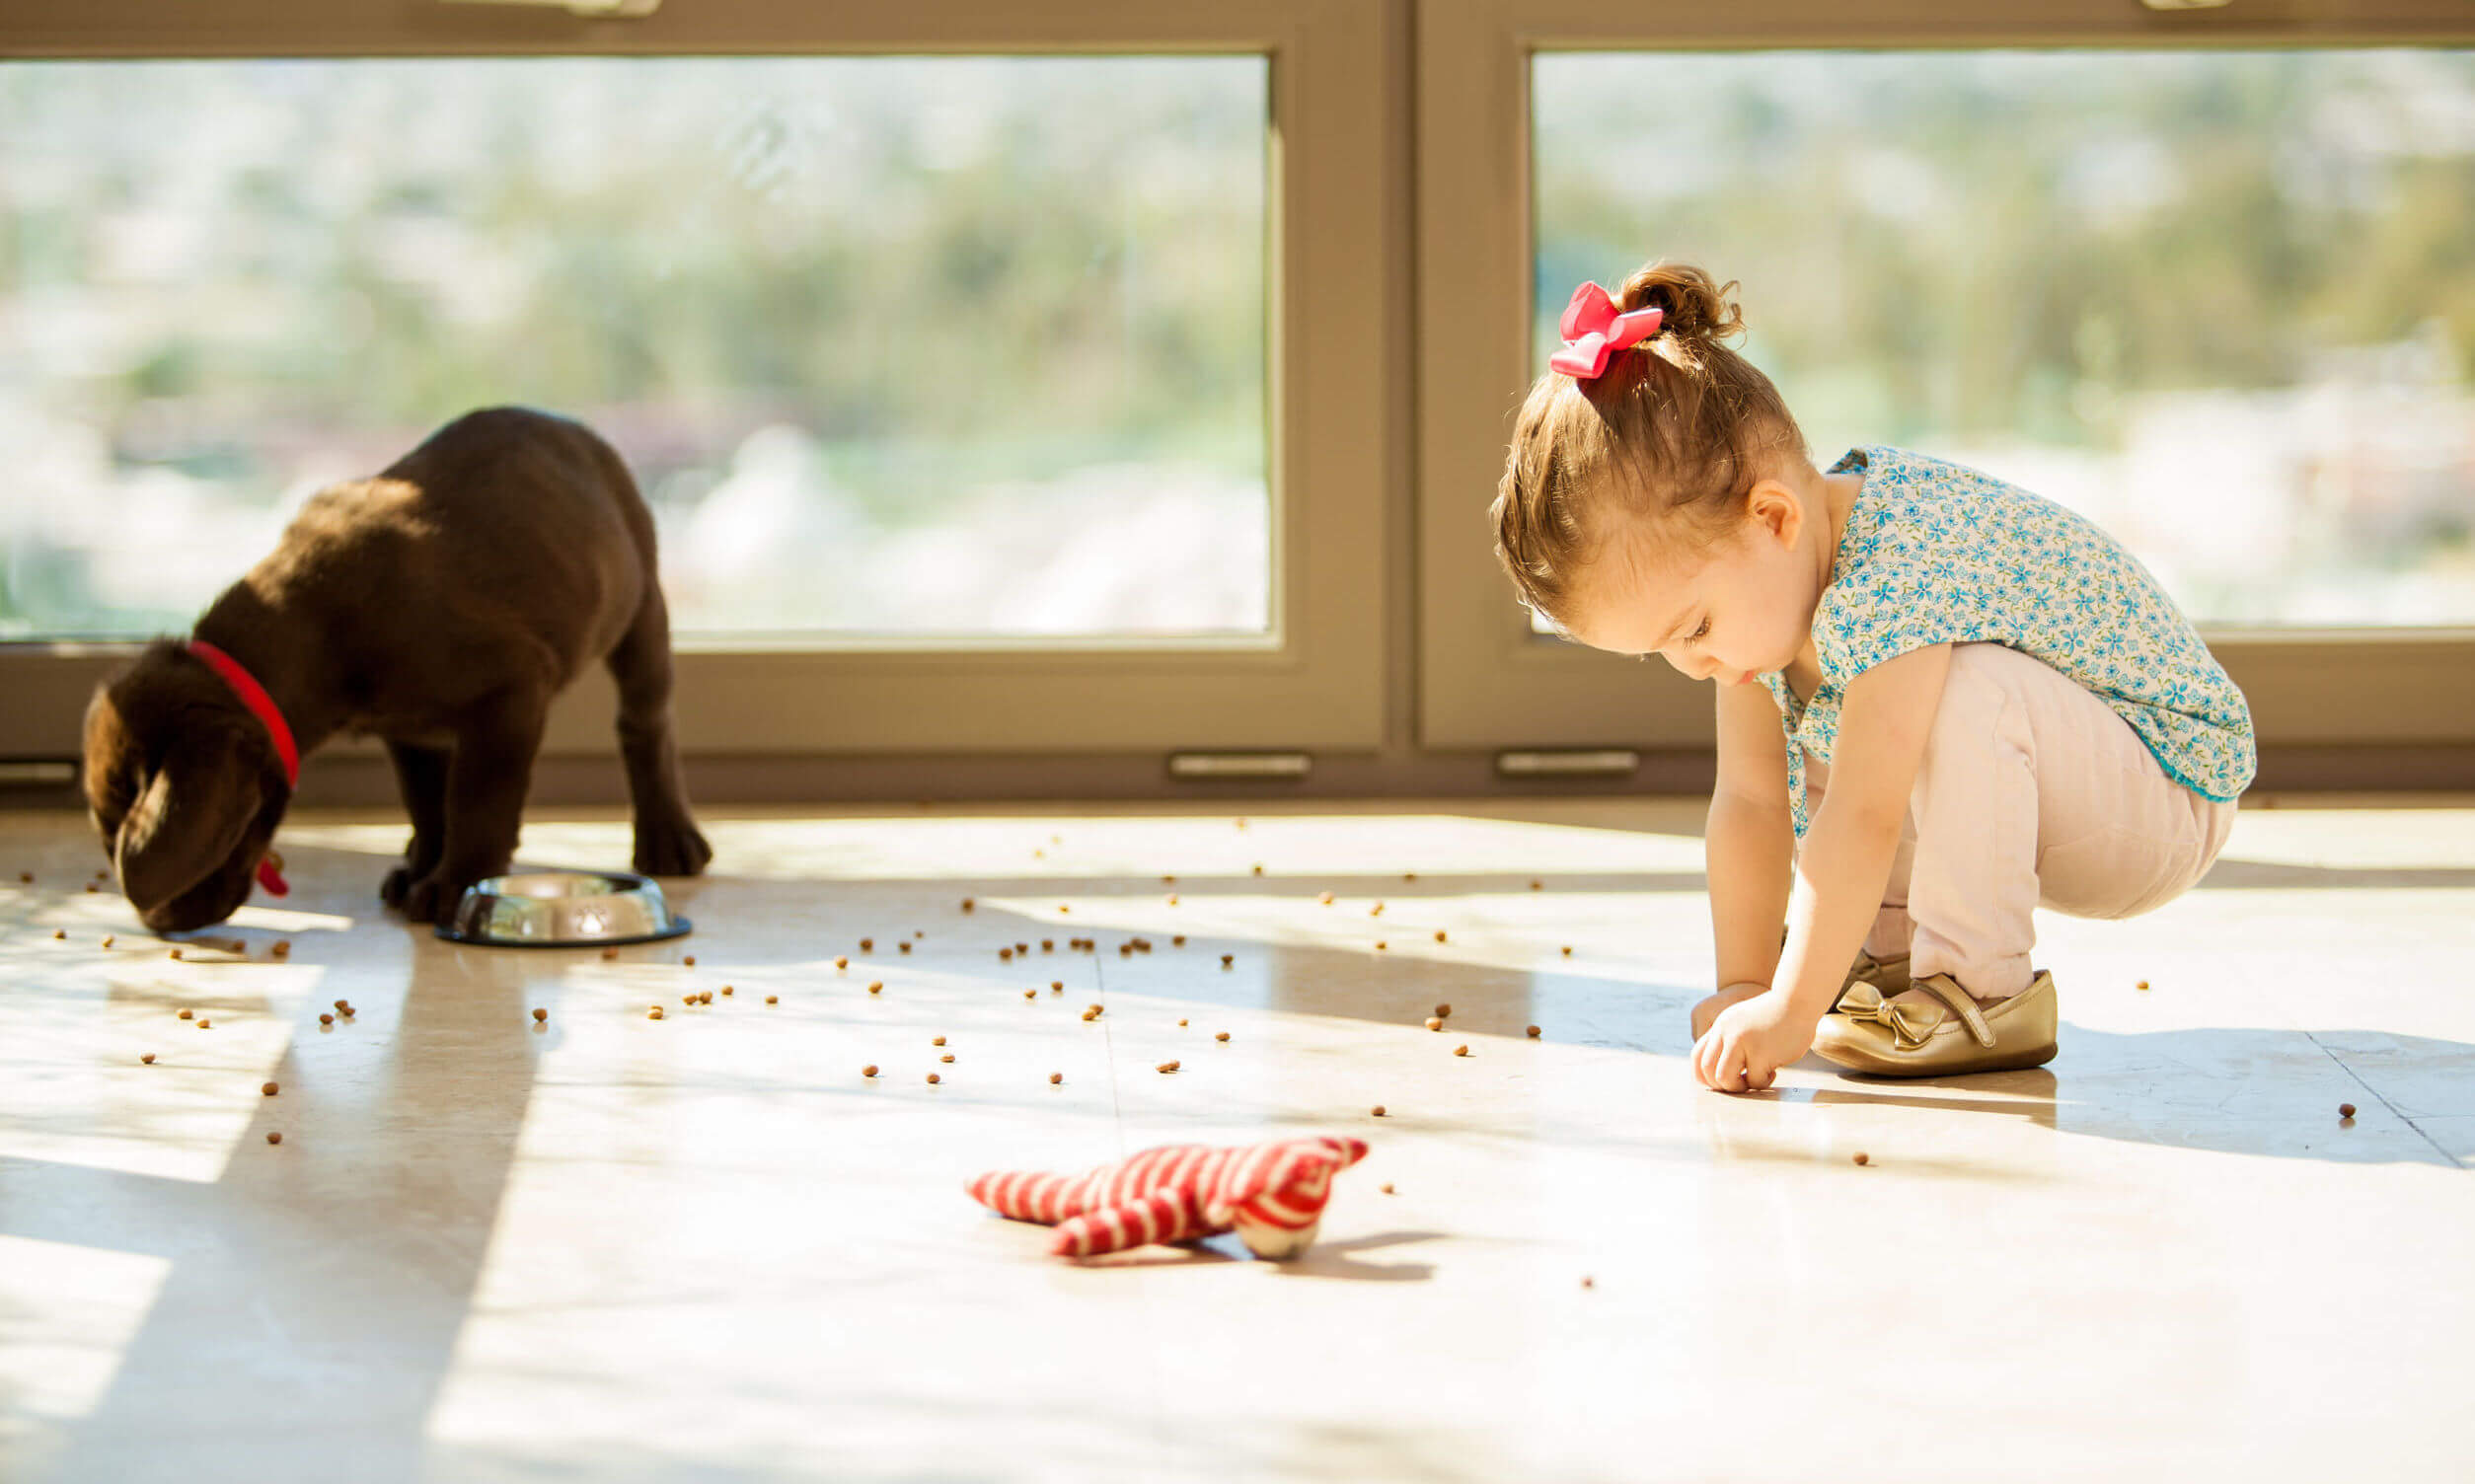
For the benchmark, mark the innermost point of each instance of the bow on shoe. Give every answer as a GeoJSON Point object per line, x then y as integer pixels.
{"type": "Point", "coordinates": [1593, 331]}
{"type": "Point", "coordinates": [1909, 1025]}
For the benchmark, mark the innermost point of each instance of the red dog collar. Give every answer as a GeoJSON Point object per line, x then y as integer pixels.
{"type": "Point", "coordinates": [263, 706]}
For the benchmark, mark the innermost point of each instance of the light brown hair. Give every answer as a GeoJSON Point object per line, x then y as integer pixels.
{"type": "Point", "coordinates": [1666, 443]}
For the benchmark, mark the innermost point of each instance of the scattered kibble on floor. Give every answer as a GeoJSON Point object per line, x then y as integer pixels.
{"type": "Point", "coordinates": [727, 992]}
{"type": "Point", "coordinates": [1381, 945]}
{"type": "Point", "coordinates": [868, 1071]}
{"type": "Point", "coordinates": [1439, 934]}
{"type": "Point", "coordinates": [1442, 1009]}
{"type": "Point", "coordinates": [188, 1014]}
{"type": "Point", "coordinates": [1180, 941]}
{"type": "Point", "coordinates": [1181, 1022]}
{"type": "Point", "coordinates": [1055, 1078]}
{"type": "Point", "coordinates": [1378, 1110]}
{"type": "Point", "coordinates": [176, 953]}
{"type": "Point", "coordinates": [1324, 897]}
{"type": "Point", "coordinates": [842, 962]}
{"type": "Point", "coordinates": [267, 1092]}
{"type": "Point", "coordinates": [1387, 1187]}
{"type": "Point", "coordinates": [773, 998]}
{"type": "Point", "coordinates": [1226, 959]}
{"type": "Point", "coordinates": [274, 1138]}
{"type": "Point", "coordinates": [339, 1004]}
{"type": "Point", "coordinates": [282, 948]}
{"type": "Point", "coordinates": [540, 1015]}
{"type": "Point", "coordinates": [1220, 1035]}
{"type": "Point", "coordinates": [1461, 1049]}
{"type": "Point", "coordinates": [655, 1013]}
{"type": "Point", "coordinates": [2346, 1110]}
{"type": "Point", "coordinates": [1588, 1282]}
{"type": "Point", "coordinates": [1533, 1032]}
{"type": "Point", "coordinates": [1167, 1067]}
{"type": "Point", "coordinates": [966, 903]}
{"type": "Point", "coordinates": [2144, 983]}
{"type": "Point", "coordinates": [1434, 1023]}
{"type": "Point", "coordinates": [1005, 953]}
{"type": "Point", "coordinates": [948, 1057]}
{"type": "Point", "coordinates": [203, 1024]}
{"type": "Point", "coordinates": [687, 999]}
{"type": "Point", "coordinates": [326, 1019]}
{"type": "Point", "coordinates": [937, 1041]}
{"type": "Point", "coordinates": [59, 933]}
{"type": "Point", "coordinates": [1861, 1158]}
{"type": "Point", "coordinates": [933, 1077]}
{"type": "Point", "coordinates": [148, 1058]}
{"type": "Point", "coordinates": [608, 953]}
{"type": "Point", "coordinates": [876, 986]}
{"type": "Point", "coordinates": [1258, 869]}
{"type": "Point", "coordinates": [705, 997]}
{"type": "Point", "coordinates": [867, 945]}
{"type": "Point", "coordinates": [1537, 885]}
{"type": "Point", "coordinates": [904, 946]}
{"type": "Point", "coordinates": [689, 961]}
{"type": "Point", "coordinates": [107, 942]}
{"type": "Point", "coordinates": [1568, 950]}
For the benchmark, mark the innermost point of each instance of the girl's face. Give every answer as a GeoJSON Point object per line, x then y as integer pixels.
{"type": "Point", "coordinates": [1732, 611]}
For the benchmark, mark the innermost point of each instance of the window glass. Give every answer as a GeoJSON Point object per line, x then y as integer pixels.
{"type": "Point", "coordinates": [2223, 303]}
{"type": "Point", "coordinates": [903, 346]}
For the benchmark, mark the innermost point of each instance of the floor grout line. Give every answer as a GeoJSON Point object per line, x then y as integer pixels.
{"type": "Point", "coordinates": [2378, 1096]}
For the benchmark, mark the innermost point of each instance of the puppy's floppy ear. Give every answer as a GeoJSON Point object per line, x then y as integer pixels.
{"type": "Point", "coordinates": [188, 818]}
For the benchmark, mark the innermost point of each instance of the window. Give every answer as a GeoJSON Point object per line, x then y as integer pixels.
{"type": "Point", "coordinates": [2221, 303]}
{"type": "Point", "coordinates": [900, 346]}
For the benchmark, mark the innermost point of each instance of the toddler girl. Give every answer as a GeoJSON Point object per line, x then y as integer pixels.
{"type": "Point", "coordinates": [1987, 704]}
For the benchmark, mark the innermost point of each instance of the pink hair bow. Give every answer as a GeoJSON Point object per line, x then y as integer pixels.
{"type": "Point", "coordinates": [1593, 331]}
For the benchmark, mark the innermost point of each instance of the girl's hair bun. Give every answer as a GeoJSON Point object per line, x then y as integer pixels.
{"type": "Point", "coordinates": [1697, 306]}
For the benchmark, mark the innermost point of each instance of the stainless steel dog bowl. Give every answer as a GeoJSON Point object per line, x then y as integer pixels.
{"type": "Point", "coordinates": [563, 910]}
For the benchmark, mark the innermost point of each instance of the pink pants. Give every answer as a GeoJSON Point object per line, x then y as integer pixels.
{"type": "Point", "coordinates": [2031, 791]}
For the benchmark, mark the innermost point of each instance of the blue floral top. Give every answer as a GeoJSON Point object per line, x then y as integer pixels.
{"type": "Point", "coordinates": [1934, 551]}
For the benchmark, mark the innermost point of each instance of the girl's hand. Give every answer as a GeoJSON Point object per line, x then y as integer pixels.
{"type": "Point", "coordinates": [1749, 1041]}
{"type": "Point", "coordinates": [1708, 1010]}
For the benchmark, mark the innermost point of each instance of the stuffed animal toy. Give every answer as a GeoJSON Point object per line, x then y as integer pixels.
{"type": "Point", "coordinates": [1272, 1194]}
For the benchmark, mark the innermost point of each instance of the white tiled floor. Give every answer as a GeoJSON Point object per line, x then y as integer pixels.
{"type": "Point", "coordinates": [706, 1248]}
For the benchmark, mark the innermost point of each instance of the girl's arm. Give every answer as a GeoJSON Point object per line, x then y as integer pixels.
{"type": "Point", "coordinates": [1750, 838]}
{"type": "Point", "coordinates": [1845, 866]}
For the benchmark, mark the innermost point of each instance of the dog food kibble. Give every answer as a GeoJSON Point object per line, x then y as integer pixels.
{"type": "Point", "coordinates": [966, 903]}
{"type": "Point", "coordinates": [705, 997]}
{"type": "Point", "coordinates": [1048, 946]}
{"type": "Point", "coordinates": [188, 1014]}
{"type": "Point", "coordinates": [540, 1015]}
{"type": "Point", "coordinates": [1167, 1067]}
{"type": "Point", "coordinates": [1226, 959]}
{"type": "Point", "coordinates": [1376, 911]}
{"type": "Point", "coordinates": [1861, 1159]}
{"type": "Point", "coordinates": [905, 946]}
{"type": "Point", "coordinates": [1439, 934]}
{"type": "Point", "coordinates": [267, 1092]}
{"type": "Point", "coordinates": [687, 999]}
{"type": "Point", "coordinates": [2346, 1110]}
{"type": "Point", "coordinates": [655, 1013]}
{"type": "Point", "coordinates": [1181, 1022]}
{"type": "Point", "coordinates": [91, 887]}
{"type": "Point", "coordinates": [349, 1013]}
{"type": "Point", "coordinates": [1442, 1009]}
{"type": "Point", "coordinates": [1568, 950]}
{"type": "Point", "coordinates": [1460, 1051]}
{"type": "Point", "coordinates": [937, 1041]}
{"type": "Point", "coordinates": [1093, 1013]}
{"type": "Point", "coordinates": [1536, 885]}
{"type": "Point", "coordinates": [59, 934]}
{"type": "Point", "coordinates": [1055, 1078]}
{"type": "Point", "coordinates": [608, 954]}
{"type": "Point", "coordinates": [867, 945]}
{"type": "Point", "coordinates": [843, 962]}
{"type": "Point", "coordinates": [326, 1019]}
{"type": "Point", "coordinates": [204, 1023]}
{"type": "Point", "coordinates": [1378, 1110]}
{"type": "Point", "coordinates": [1057, 985]}
{"type": "Point", "coordinates": [2144, 983]}
{"type": "Point", "coordinates": [1381, 945]}
{"type": "Point", "coordinates": [339, 1004]}
{"type": "Point", "coordinates": [1409, 876]}
{"type": "Point", "coordinates": [868, 1071]}
{"type": "Point", "coordinates": [1005, 953]}
{"type": "Point", "coordinates": [773, 998]}
{"type": "Point", "coordinates": [148, 1059]}
{"type": "Point", "coordinates": [1125, 950]}
{"type": "Point", "coordinates": [1031, 994]}
{"type": "Point", "coordinates": [274, 1138]}
{"type": "Point", "coordinates": [1220, 1035]}
{"type": "Point", "coordinates": [727, 992]}
{"type": "Point", "coordinates": [1324, 897]}
{"type": "Point", "coordinates": [176, 953]}
{"type": "Point", "coordinates": [1588, 1282]}
{"type": "Point", "coordinates": [1180, 941]}
{"type": "Point", "coordinates": [688, 962]}
{"type": "Point", "coordinates": [1534, 1033]}
{"type": "Point", "coordinates": [1173, 899]}
{"type": "Point", "coordinates": [948, 1057]}
{"type": "Point", "coordinates": [1258, 869]}
{"type": "Point", "coordinates": [1434, 1025]}
{"type": "Point", "coordinates": [876, 986]}
{"type": "Point", "coordinates": [933, 1077]}
{"type": "Point", "coordinates": [1387, 1187]}
{"type": "Point", "coordinates": [26, 878]}
{"type": "Point", "coordinates": [107, 942]}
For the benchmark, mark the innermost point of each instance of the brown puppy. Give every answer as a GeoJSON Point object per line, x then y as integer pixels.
{"type": "Point", "coordinates": [439, 606]}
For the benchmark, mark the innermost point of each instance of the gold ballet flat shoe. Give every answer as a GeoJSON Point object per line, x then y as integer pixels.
{"type": "Point", "coordinates": [1888, 975]}
{"type": "Point", "coordinates": [1873, 1033]}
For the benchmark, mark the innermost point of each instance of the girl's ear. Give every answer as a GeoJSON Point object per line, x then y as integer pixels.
{"type": "Point", "coordinates": [1775, 510]}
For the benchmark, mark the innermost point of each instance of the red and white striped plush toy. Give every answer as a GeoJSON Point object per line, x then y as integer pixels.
{"type": "Point", "coordinates": [1272, 1194]}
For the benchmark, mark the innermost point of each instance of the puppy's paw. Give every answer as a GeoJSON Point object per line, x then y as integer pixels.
{"type": "Point", "coordinates": [433, 897]}
{"type": "Point", "coordinates": [672, 850]}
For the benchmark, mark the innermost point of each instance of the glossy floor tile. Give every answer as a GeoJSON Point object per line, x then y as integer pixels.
{"type": "Point", "coordinates": [604, 1247]}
